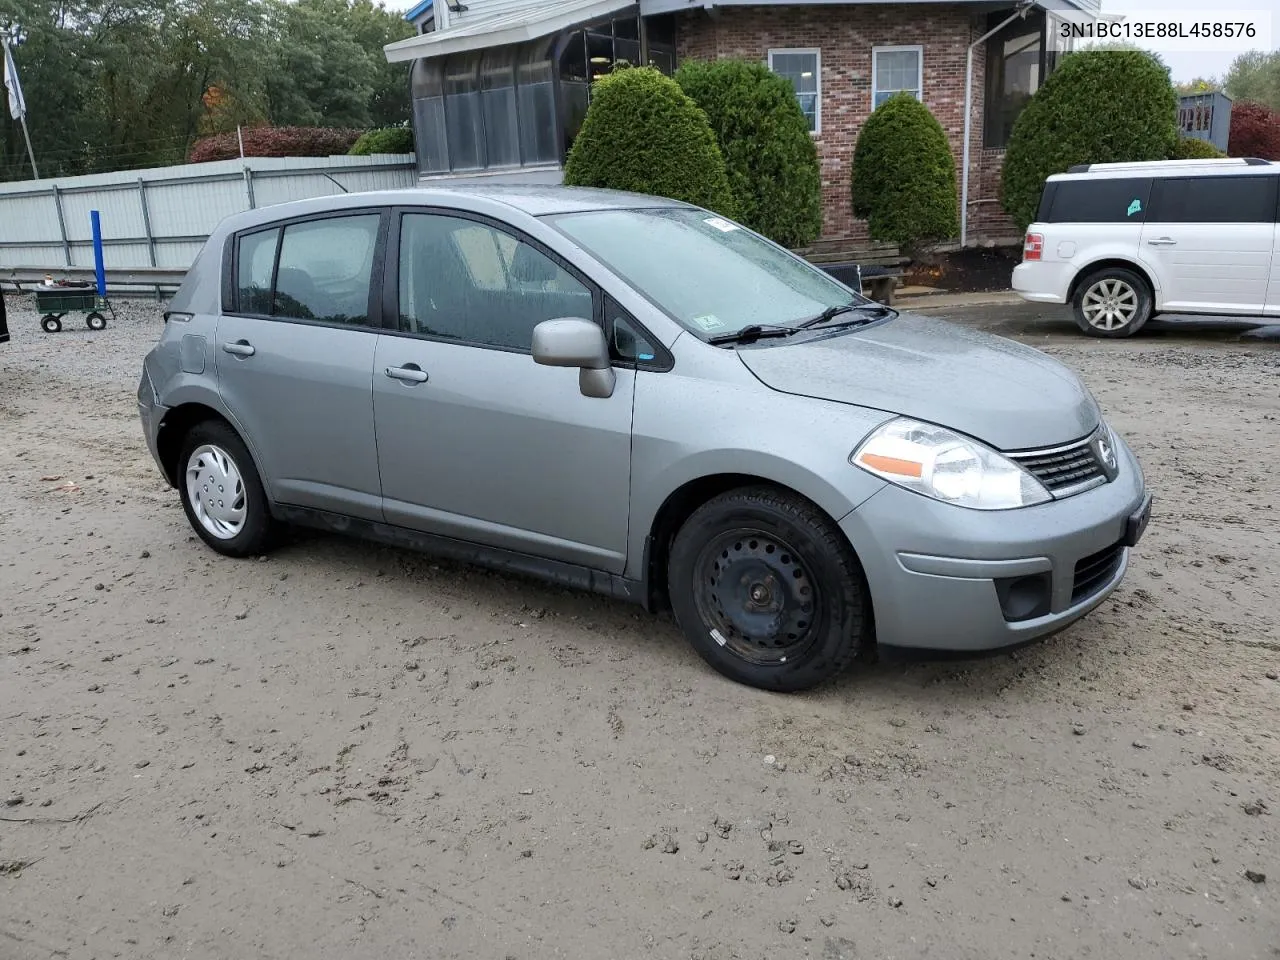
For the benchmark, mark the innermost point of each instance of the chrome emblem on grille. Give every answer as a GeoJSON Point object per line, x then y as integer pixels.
{"type": "Point", "coordinates": [1106, 457]}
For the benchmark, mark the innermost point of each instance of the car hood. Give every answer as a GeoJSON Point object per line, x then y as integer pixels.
{"type": "Point", "coordinates": [1001, 392]}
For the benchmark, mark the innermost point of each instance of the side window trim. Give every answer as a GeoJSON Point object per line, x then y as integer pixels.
{"type": "Point", "coordinates": [231, 290]}
{"type": "Point", "coordinates": [391, 273]}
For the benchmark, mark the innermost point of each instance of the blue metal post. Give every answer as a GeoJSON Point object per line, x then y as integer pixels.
{"type": "Point", "coordinates": [98, 264]}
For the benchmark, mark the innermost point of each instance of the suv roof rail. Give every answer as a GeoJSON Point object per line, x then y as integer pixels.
{"type": "Point", "coordinates": [1138, 165]}
{"type": "Point", "coordinates": [1257, 162]}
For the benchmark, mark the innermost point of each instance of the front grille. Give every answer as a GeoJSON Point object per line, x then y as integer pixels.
{"type": "Point", "coordinates": [1094, 571]}
{"type": "Point", "coordinates": [1064, 470]}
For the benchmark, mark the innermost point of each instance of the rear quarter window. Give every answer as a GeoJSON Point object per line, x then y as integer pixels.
{"type": "Point", "coordinates": [1098, 200]}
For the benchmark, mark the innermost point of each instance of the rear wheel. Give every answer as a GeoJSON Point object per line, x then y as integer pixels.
{"type": "Point", "coordinates": [50, 323]}
{"type": "Point", "coordinates": [1112, 302]}
{"type": "Point", "coordinates": [221, 492]}
{"type": "Point", "coordinates": [96, 321]}
{"type": "Point", "coordinates": [767, 591]}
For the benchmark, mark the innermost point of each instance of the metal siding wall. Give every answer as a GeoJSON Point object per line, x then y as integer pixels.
{"type": "Point", "coordinates": [184, 204]}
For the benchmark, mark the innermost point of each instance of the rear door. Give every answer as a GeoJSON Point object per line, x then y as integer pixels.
{"type": "Point", "coordinates": [1212, 240]}
{"type": "Point", "coordinates": [295, 358]}
{"type": "Point", "coordinates": [1273, 288]}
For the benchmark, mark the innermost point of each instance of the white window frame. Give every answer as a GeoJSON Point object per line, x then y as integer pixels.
{"type": "Point", "coordinates": [816, 53]}
{"type": "Point", "coordinates": [916, 48]}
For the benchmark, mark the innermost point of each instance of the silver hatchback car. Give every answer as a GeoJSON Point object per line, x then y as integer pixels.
{"type": "Point", "coordinates": [638, 397]}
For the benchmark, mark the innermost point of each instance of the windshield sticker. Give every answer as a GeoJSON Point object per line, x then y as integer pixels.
{"type": "Point", "coordinates": [1135, 207]}
{"type": "Point", "coordinates": [709, 322]}
{"type": "Point", "coordinates": [724, 226]}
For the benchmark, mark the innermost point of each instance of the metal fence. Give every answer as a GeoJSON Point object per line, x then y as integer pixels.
{"type": "Point", "coordinates": [159, 218]}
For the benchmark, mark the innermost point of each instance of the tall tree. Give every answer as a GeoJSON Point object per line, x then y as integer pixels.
{"type": "Point", "coordinates": [1255, 76]}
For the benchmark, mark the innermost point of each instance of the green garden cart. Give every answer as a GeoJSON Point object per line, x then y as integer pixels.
{"type": "Point", "coordinates": [57, 302]}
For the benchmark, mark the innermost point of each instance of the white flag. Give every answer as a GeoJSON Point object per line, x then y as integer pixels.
{"type": "Point", "coordinates": [17, 106]}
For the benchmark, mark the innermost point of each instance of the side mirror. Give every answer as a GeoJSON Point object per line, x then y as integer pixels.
{"type": "Point", "coordinates": [573, 342]}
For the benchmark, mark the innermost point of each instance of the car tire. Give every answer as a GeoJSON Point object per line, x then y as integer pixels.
{"type": "Point", "coordinates": [1112, 302]}
{"type": "Point", "coordinates": [767, 590]}
{"type": "Point", "coordinates": [222, 493]}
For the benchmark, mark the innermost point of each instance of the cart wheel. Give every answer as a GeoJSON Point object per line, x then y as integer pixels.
{"type": "Point", "coordinates": [51, 324]}
{"type": "Point", "coordinates": [96, 321]}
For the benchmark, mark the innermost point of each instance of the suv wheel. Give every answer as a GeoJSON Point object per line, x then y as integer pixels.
{"type": "Point", "coordinates": [767, 590]}
{"type": "Point", "coordinates": [221, 492]}
{"type": "Point", "coordinates": [1112, 302]}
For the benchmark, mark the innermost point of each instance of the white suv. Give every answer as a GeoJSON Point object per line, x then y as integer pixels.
{"type": "Point", "coordinates": [1123, 241]}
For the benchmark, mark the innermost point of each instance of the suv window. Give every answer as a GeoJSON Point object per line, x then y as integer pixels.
{"type": "Point", "coordinates": [257, 260]}
{"type": "Point", "coordinates": [1100, 200]}
{"type": "Point", "coordinates": [465, 280]}
{"type": "Point", "coordinates": [1214, 200]}
{"type": "Point", "coordinates": [324, 270]}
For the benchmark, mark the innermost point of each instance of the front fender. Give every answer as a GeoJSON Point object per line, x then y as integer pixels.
{"type": "Point", "coordinates": [795, 442]}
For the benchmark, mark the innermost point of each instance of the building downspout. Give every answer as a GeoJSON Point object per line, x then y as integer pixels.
{"type": "Point", "coordinates": [1024, 7]}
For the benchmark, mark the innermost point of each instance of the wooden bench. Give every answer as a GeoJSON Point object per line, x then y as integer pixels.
{"type": "Point", "coordinates": [874, 268]}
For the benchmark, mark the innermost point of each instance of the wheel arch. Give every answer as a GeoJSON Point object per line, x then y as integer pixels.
{"type": "Point", "coordinates": [1122, 262]}
{"type": "Point", "coordinates": [681, 503]}
{"type": "Point", "coordinates": [175, 425]}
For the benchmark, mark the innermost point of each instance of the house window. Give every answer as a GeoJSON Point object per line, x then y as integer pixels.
{"type": "Point", "coordinates": [804, 69]}
{"type": "Point", "coordinates": [896, 70]}
{"type": "Point", "coordinates": [1017, 63]}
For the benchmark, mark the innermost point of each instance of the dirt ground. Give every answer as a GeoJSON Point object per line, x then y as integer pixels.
{"type": "Point", "coordinates": [344, 751]}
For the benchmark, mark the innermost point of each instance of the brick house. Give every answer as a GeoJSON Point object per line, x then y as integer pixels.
{"type": "Point", "coordinates": [500, 86]}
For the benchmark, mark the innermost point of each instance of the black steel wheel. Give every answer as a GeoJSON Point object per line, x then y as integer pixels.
{"type": "Point", "coordinates": [767, 590]}
{"type": "Point", "coordinates": [96, 321]}
{"type": "Point", "coordinates": [50, 323]}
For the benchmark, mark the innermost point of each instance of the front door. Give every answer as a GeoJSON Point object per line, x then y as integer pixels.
{"type": "Point", "coordinates": [295, 361]}
{"type": "Point", "coordinates": [1210, 240]}
{"type": "Point", "coordinates": [475, 440]}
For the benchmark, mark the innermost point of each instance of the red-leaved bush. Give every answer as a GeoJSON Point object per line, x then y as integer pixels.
{"type": "Point", "coordinates": [1255, 131]}
{"type": "Point", "coordinates": [275, 142]}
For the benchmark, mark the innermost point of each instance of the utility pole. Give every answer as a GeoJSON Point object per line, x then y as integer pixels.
{"type": "Point", "coordinates": [12, 35]}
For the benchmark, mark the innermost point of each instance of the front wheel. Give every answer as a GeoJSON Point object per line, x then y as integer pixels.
{"type": "Point", "coordinates": [1112, 302]}
{"type": "Point", "coordinates": [767, 590]}
{"type": "Point", "coordinates": [51, 323]}
{"type": "Point", "coordinates": [221, 492]}
{"type": "Point", "coordinates": [96, 321]}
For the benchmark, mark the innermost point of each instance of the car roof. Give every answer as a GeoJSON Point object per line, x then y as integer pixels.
{"type": "Point", "coordinates": [1233, 166]}
{"type": "Point", "coordinates": [532, 199]}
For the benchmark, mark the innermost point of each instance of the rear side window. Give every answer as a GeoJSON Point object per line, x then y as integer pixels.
{"type": "Point", "coordinates": [257, 262]}
{"type": "Point", "coordinates": [1100, 200]}
{"type": "Point", "coordinates": [1215, 200]}
{"type": "Point", "coordinates": [325, 267]}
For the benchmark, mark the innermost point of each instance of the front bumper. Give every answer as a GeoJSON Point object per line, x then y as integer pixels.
{"type": "Point", "coordinates": [940, 576]}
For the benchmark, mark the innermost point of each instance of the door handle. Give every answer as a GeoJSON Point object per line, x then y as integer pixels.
{"type": "Point", "coordinates": [409, 373]}
{"type": "Point", "coordinates": [241, 348]}
{"type": "Point", "coordinates": [1162, 241]}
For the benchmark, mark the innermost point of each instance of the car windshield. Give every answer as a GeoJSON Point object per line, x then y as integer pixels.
{"type": "Point", "coordinates": [711, 275]}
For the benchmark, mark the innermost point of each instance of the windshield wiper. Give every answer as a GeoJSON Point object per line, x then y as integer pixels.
{"type": "Point", "coordinates": [831, 313]}
{"type": "Point", "coordinates": [753, 332]}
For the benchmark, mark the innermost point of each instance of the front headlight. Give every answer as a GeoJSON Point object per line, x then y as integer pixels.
{"type": "Point", "coordinates": [942, 464]}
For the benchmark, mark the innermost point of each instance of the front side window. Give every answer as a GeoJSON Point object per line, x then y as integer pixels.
{"type": "Point", "coordinates": [1214, 200]}
{"type": "Point", "coordinates": [467, 281]}
{"type": "Point", "coordinates": [896, 70]}
{"type": "Point", "coordinates": [1100, 200]}
{"type": "Point", "coordinates": [256, 259]}
{"type": "Point", "coordinates": [707, 273]}
{"type": "Point", "coordinates": [325, 267]}
{"type": "Point", "coordinates": [804, 69]}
